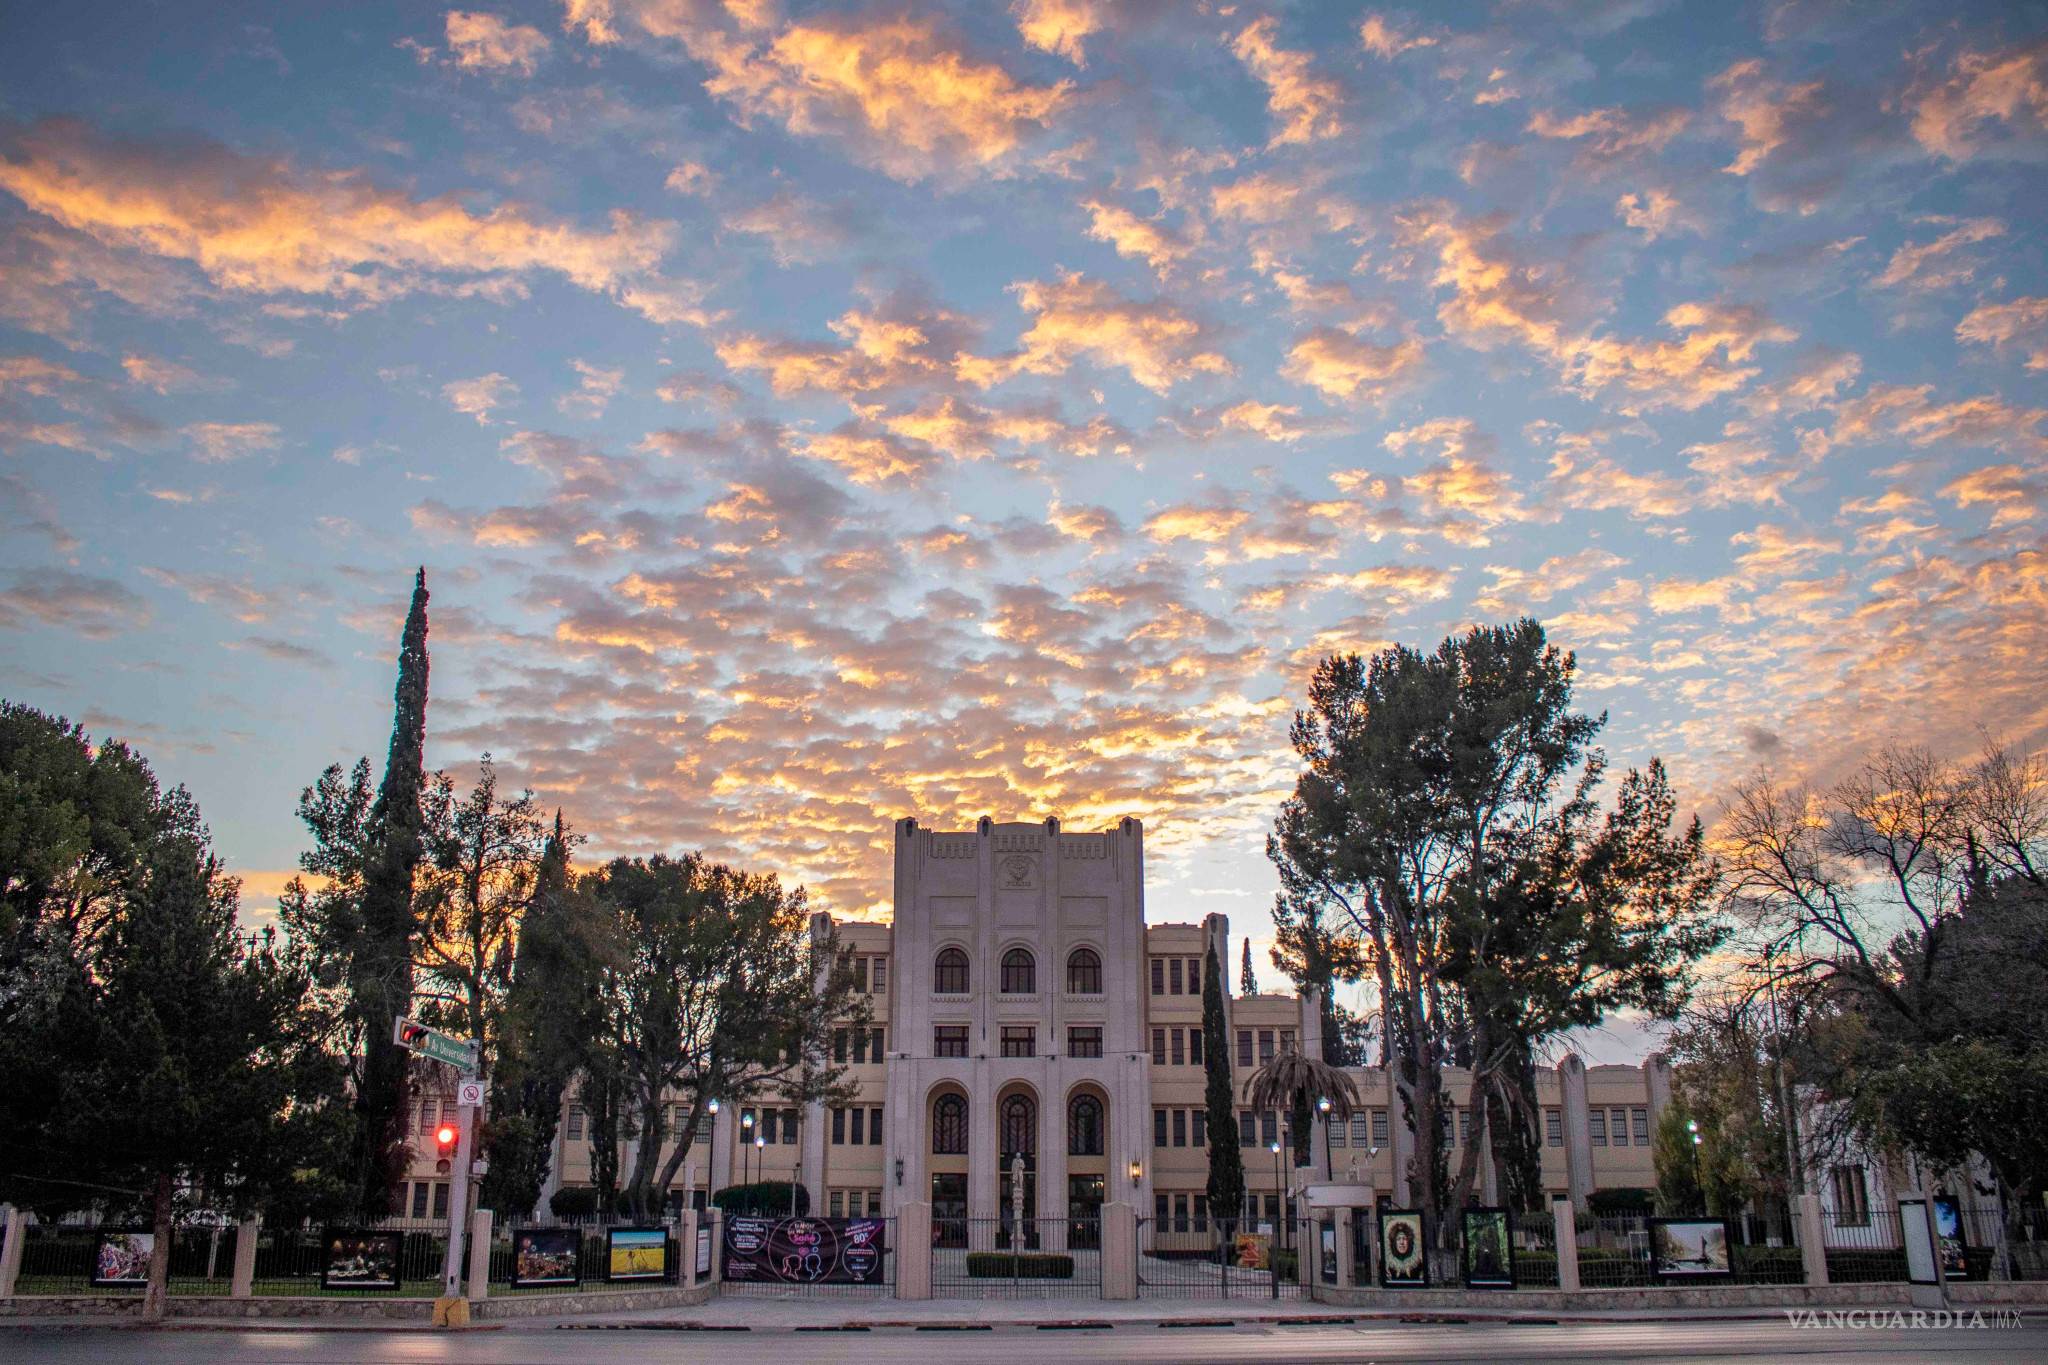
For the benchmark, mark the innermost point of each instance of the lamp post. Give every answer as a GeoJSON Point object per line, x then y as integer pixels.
{"type": "Point", "coordinates": [711, 1172]}
{"type": "Point", "coordinates": [761, 1161]}
{"type": "Point", "coordinates": [1323, 1108]}
{"type": "Point", "coordinates": [1279, 1194]}
{"type": "Point", "coordinates": [746, 1134]}
{"type": "Point", "coordinates": [1692, 1127]}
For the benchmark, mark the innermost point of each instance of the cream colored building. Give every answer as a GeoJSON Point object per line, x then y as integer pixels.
{"type": "Point", "coordinates": [1022, 1004]}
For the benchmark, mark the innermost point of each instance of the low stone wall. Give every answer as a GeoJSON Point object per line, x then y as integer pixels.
{"type": "Point", "coordinates": [1665, 1298]}
{"type": "Point", "coordinates": [357, 1310]}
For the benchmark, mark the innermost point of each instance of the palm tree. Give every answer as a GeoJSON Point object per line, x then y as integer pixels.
{"type": "Point", "coordinates": [1294, 1081]}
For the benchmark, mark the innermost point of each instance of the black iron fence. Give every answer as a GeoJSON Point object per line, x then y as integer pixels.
{"type": "Point", "coordinates": [1039, 1258]}
{"type": "Point", "coordinates": [1222, 1258]}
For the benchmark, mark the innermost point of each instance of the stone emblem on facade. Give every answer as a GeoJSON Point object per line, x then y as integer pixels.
{"type": "Point", "coordinates": [1017, 871]}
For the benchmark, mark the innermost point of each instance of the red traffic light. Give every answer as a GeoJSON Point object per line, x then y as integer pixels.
{"type": "Point", "coordinates": [444, 1137]}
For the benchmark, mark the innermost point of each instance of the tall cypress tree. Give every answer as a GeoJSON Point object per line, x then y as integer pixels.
{"type": "Point", "coordinates": [381, 977]}
{"type": "Point", "coordinates": [1247, 984]}
{"type": "Point", "coordinates": [1226, 1162]}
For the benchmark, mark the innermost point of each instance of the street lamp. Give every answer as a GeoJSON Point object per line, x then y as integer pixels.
{"type": "Point", "coordinates": [1692, 1126]}
{"type": "Point", "coordinates": [1279, 1194]}
{"type": "Point", "coordinates": [711, 1168]}
{"type": "Point", "coordinates": [1323, 1108]}
{"type": "Point", "coordinates": [746, 1131]}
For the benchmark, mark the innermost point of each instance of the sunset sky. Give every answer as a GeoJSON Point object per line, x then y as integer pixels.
{"type": "Point", "coordinates": [811, 415]}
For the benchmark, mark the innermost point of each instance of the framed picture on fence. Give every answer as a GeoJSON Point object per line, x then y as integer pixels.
{"type": "Point", "coordinates": [636, 1254]}
{"type": "Point", "coordinates": [121, 1260]}
{"type": "Point", "coordinates": [1489, 1249]}
{"type": "Point", "coordinates": [1948, 1239]}
{"type": "Point", "coordinates": [544, 1257]}
{"type": "Point", "coordinates": [1689, 1250]}
{"type": "Point", "coordinates": [1404, 1256]}
{"type": "Point", "coordinates": [360, 1259]}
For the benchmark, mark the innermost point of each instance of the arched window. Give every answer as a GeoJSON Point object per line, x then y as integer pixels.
{"type": "Point", "coordinates": [1018, 1129]}
{"type": "Point", "coordinates": [949, 1126]}
{"type": "Point", "coordinates": [949, 973]}
{"type": "Point", "coordinates": [1084, 972]}
{"type": "Point", "coordinates": [1084, 1126]}
{"type": "Point", "coordinates": [1020, 973]}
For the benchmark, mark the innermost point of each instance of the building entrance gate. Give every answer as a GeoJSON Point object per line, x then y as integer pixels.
{"type": "Point", "coordinates": [1048, 1258]}
{"type": "Point", "coordinates": [1195, 1258]}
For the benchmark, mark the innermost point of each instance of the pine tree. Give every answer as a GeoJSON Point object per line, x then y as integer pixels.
{"type": "Point", "coordinates": [1226, 1161]}
{"type": "Point", "coordinates": [1247, 984]}
{"type": "Point", "coordinates": [380, 984]}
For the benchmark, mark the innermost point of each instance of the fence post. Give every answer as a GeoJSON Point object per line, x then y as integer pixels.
{"type": "Point", "coordinates": [1813, 1244]}
{"type": "Point", "coordinates": [1119, 1251]}
{"type": "Point", "coordinates": [247, 1233]}
{"type": "Point", "coordinates": [913, 1251]}
{"type": "Point", "coordinates": [10, 1254]}
{"type": "Point", "coordinates": [1345, 1276]}
{"type": "Point", "coordinates": [686, 1276]}
{"type": "Point", "coordinates": [717, 1244]}
{"type": "Point", "coordinates": [1567, 1220]}
{"type": "Point", "coordinates": [480, 1222]}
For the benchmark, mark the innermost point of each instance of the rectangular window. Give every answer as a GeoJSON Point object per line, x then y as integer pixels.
{"type": "Point", "coordinates": [1379, 1127]}
{"type": "Point", "coordinates": [1340, 1133]}
{"type": "Point", "coordinates": [875, 1126]}
{"type": "Point", "coordinates": [705, 1118]}
{"type": "Point", "coordinates": [1084, 1042]}
{"type": "Point", "coordinates": [880, 978]}
{"type": "Point", "coordinates": [1464, 1127]}
{"type": "Point", "coordinates": [838, 1205]}
{"type": "Point", "coordinates": [949, 1040]}
{"type": "Point", "coordinates": [1265, 1046]}
{"type": "Point", "coordinates": [1640, 1121]}
{"type": "Point", "coordinates": [1201, 1127]}
{"type": "Point", "coordinates": [875, 1046]}
{"type": "Point", "coordinates": [440, 1199]}
{"type": "Point", "coordinates": [1287, 1040]}
{"type": "Point", "coordinates": [1553, 1127]}
{"type": "Point", "coordinates": [1201, 1213]}
{"type": "Point", "coordinates": [768, 1124]}
{"type": "Point", "coordinates": [860, 975]}
{"type": "Point", "coordinates": [1244, 1047]}
{"type": "Point", "coordinates": [1180, 1127]}
{"type": "Point", "coordinates": [426, 1118]}
{"type": "Point", "coordinates": [860, 1046]}
{"type": "Point", "coordinates": [1159, 1047]}
{"type": "Point", "coordinates": [419, 1199]}
{"type": "Point", "coordinates": [1020, 1040]}
{"type": "Point", "coordinates": [576, 1119]}
{"type": "Point", "coordinates": [788, 1126]}
{"type": "Point", "coordinates": [838, 1126]}
{"type": "Point", "coordinates": [1180, 1055]}
{"type": "Point", "coordinates": [1194, 976]}
{"type": "Point", "coordinates": [1194, 1047]}
{"type": "Point", "coordinates": [1180, 1213]}
{"type": "Point", "coordinates": [1597, 1121]}
{"type": "Point", "coordinates": [1173, 977]}
{"type": "Point", "coordinates": [859, 1135]}
{"type": "Point", "coordinates": [1158, 1127]}
{"type": "Point", "coordinates": [1269, 1127]}
{"type": "Point", "coordinates": [1617, 1126]}
{"type": "Point", "coordinates": [1361, 1129]}
{"type": "Point", "coordinates": [1852, 1197]}
{"type": "Point", "coordinates": [1247, 1128]}
{"type": "Point", "coordinates": [839, 1045]}
{"type": "Point", "coordinates": [1158, 976]}
{"type": "Point", "coordinates": [1159, 1211]}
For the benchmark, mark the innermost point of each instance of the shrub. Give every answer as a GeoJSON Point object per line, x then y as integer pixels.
{"type": "Point", "coordinates": [1025, 1265]}
{"type": "Point", "coordinates": [1768, 1265]}
{"type": "Point", "coordinates": [1286, 1263]}
{"type": "Point", "coordinates": [573, 1201]}
{"type": "Point", "coordinates": [763, 1199]}
{"type": "Point", "coordinates": [1536, 1268]}
{"type": "Point", "coordinates": [1621, 1201]}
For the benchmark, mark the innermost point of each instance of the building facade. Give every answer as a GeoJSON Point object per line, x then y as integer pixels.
{"type": "Point", "coordinates": [1023, 1007]}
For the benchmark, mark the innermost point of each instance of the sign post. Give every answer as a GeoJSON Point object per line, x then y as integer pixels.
{"type": "Point", "coordinates": [437, 1046]}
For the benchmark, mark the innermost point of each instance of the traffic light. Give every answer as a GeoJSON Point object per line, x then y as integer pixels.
{"type": "Point", "coordinates": [411, 1034]}
{"type": "Point", "coordinates": [444, 1147]}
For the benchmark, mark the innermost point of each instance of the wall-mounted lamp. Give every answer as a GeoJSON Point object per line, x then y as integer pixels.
{"type": "Point", "coordinates": [899, 1172]}
{"type": "Point", "coordinates": [1137, 1172]}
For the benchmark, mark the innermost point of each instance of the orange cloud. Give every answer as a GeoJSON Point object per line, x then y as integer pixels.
{"type": "Point", "coordinates": [220, 442]}
{"type": "Point", "coordinates": [1654, 213]}
{"type": "Point", "coordinates": [2007, 87]}
{"type": "Point", "coordinates": [1307, 106]}
{"type": "Point", "coordinates": [1059, 26]}
{"type": "Point", "coordinates": [1763, 109]}
{"type": "Point", "coordinates": [1934, 265]}
{"type": "Point", "coordinates": [1341, 366]}
{"type": "Point", "coordinates": [1386, 40]}
{"type": "Point", "coordinates": [1610, 134]}
{"type": "Point", "coordinates": [1147, 239]}
{"type": "Point", "coordinates": [1704, 364]}
{"type": "Point", "coordinates": [2022, 323]}
{"type": "Point", "coordinates": [1073, 318]}
{"type": "Point", "coordinates": [483, 42]}
{"type": "Point", "coordinates": [477, 397]}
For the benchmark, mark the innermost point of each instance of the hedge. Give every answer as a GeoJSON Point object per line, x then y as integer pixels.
{"type": "Point", "coordinates": [1620, 1201]}
{"type": "Point", "coordinates": [1027, 1265]}
{"type": "Point", "coordinates": [763, 1198]}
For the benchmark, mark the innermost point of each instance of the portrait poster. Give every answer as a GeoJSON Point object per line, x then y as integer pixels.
{"type": "Point", "coordinates": [703, 1251]}
{"type": "Point", "coordinates": [360, 1259]}
{"type": "Point", "coordinates": [1254, 1251]}
{"type": "Point", "coordinates": [546, 1257]}
{"type": "Point", "coordinates": [1948, 1238]}
{"type": "Point", "coordinates": [636, 1254]}
{"type": "Point", "coordinates": [805, 1250]}
{"type": "Point", "coordinates": [1489, 1250]}
{"type": "Point", "coordinates": [1689, 1250]}
{"type": "Point", "coordinates": [1404, 1256]}
{"type": "Point", "coordinates": [121, 1261]}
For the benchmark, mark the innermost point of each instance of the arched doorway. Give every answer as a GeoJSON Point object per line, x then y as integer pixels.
{"type": "Point", "coordinates": [948, 1159]}
{"type": "Point", "coordinates": [1017, 1142]}
{"type": "Point", "coordinates": [1087, 1138]}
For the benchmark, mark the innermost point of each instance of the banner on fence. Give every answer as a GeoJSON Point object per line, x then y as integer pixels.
{"type": "Point", "coordinates": [1688, 1250]}
{"type": "Point", "coordinates": [1404, 1258]}
{"type": "Point", "coordinates": [547, 1257]}
{"type": "Point", "coordinates": [636, 1254]}
{"type": "Point", "coordinates": [121, 1261]}
{"type": "Point", "coordinates": [355, 1259]}
{"type": "Point", "coordinates": [1948, 1238]}
{"type": "Point", "coordinates": [805, 1250]}
{"type": "Point", "coordinates": [703, 1252]}
{"type": "Point", "coordinates": [1254, 1251]}
{"type": "Point", "coordinates": [1489, 1249]}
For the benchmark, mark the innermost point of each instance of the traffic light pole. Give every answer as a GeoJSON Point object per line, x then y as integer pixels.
{"type": "Point", "coordinates": [458, 1198]}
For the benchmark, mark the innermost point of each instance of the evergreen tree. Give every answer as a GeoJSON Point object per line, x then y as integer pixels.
{"type": "Point", "coordinates": [1226, 1160]}
{"type": "Point", "coordinates": [380, 978]}
{"type": "Point", "coordinates": [1247, 984]}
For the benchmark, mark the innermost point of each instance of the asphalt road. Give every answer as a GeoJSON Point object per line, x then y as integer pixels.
{"type": "Point", "coordinates": [1495, 1343]}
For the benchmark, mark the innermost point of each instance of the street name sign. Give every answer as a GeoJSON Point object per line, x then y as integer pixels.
{"type": "Point", "coordinates": [433, 1044]}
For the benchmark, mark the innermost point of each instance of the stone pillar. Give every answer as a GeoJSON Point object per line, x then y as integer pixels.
{"type": "Point", "coordinates": [717, 1245]}
{"type": "Point", "coordinates": [247, 1233]}
{"type": "Point", "coordinates": [1578, 1134]}
{"type": "Point", "coordinates": [914, 1249]}
{"type": "Point", "coordinates": [686, 1273]}
{"type": "Point", "coordinates": [816, 1174]}
{"type": "Point", "coordinates": [1567, 1220]}
{"type": "Point", "coordinates": [1052, 1163]}
{"type": "Point", "coordinates": [1813, 1244]}
{"type": "Point", "coordinates": [1345, 1274]}
{"type": "Point", "coordinates": [480, 1254]}
{"type": "Point", "coordinates": [16, 1228]}
{"type": "Point", "coordinates": [1119, 1251]}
